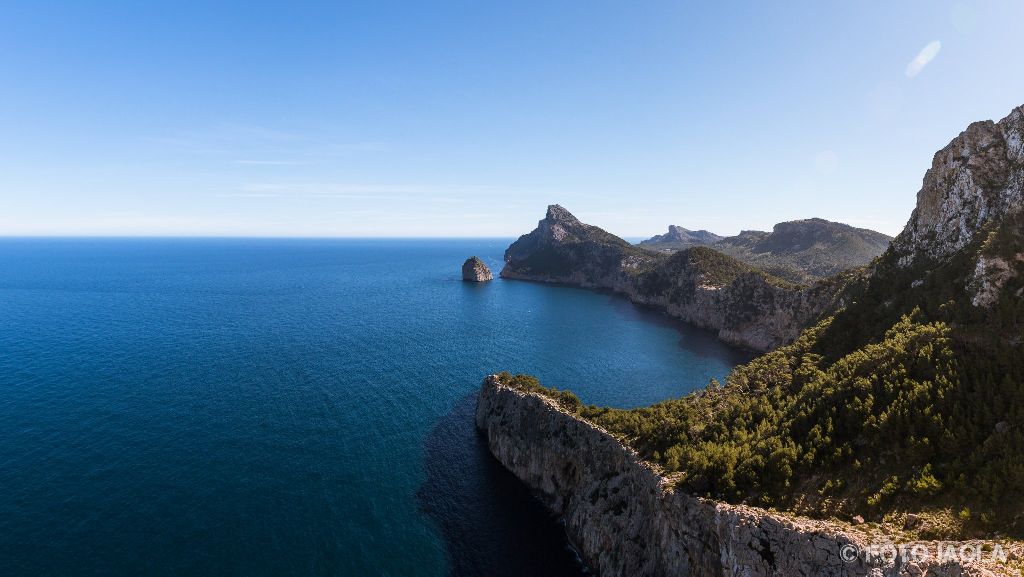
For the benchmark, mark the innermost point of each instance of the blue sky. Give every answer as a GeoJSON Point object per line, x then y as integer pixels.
{"type": "Point", "coordinates": [467, 118]}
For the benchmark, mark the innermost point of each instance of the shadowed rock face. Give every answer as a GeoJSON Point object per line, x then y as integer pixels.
{"type": "Point", "coordinates": [698, 285]}
{"type": "Point", "coordinates": [474, 270]}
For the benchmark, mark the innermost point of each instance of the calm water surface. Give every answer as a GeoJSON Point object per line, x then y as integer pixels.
{"type": "Point", "coordinates": [291, 407]}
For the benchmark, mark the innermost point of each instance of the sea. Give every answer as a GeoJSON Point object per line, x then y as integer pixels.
{"type": "Point", "coordinates": [275, 407]}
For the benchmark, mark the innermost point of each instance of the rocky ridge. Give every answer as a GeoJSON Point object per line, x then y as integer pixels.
{"type": "Point", "coordinates": [626, 520]}
{"type": "Point", "coordinates": [678, 237]}
{"type": "Point", "coordinates": [800, 251]}
{"type": "Point", "coordinates": [974, 181]}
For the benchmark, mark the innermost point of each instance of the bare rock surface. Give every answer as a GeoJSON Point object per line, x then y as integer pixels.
{"type": "Point", "coordinates": [475, 270]}
{"type": "Point", "coordinates": [977, 179]}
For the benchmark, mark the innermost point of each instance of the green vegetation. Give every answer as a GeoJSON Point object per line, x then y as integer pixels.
{"type": "Point", "coordinates": [698, 265]}
{"type": "Point", "coordinates": [910, 399]}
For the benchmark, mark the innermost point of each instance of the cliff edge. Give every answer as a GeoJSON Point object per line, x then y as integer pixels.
{"type": "Point", "coordinates": [625, 519]}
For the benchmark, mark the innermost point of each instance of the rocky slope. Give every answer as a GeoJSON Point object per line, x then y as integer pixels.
{"type": "Point", "coordinates": [799, 251]}
{"type": "Point", "coordinates": [746, 307]}
{"type": "Point", "coordinates": [625, 520]}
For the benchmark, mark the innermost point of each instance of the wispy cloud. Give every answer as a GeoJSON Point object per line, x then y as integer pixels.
{"type": "Point", "coordinates": [926, 55]}
{"type": "Point", "coordinates": [437, 193]}
{"type": "Point", "coordinates": [272, 162]}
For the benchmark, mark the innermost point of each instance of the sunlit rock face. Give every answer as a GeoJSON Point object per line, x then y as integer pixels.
{"type": "Point", "coordinates": [977, 179]}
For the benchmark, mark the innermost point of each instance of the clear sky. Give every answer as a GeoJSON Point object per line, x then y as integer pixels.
{"type": "Point", "coordinates": [381, 118]}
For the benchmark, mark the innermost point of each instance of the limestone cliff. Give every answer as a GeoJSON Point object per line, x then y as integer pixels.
{"type": "Point", "coordinates": [976, 180]}
{"type": "Point", "coordinates": [970, 206]}
{"type": "Point", "coordinates": [701, 286]}
{"type": "Point", "coordinates": [625, 519]}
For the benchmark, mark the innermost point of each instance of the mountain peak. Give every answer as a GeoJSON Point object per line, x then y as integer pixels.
{"type": "Point", "coordinates": [558, 213]}
{"type": "Point", "coordinates": [679, 237]}
{"type": "Point", "coordinates": [976, 179]}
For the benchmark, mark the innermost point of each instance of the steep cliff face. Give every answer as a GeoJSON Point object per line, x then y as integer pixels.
{"type": "Point", "coordinates": [625, 519]}
{"type": "Point", "coordinates": [976, 180]}
{"type": "Point", "coordinates": [698, 285]}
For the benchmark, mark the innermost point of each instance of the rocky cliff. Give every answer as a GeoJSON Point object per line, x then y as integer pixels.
{"type": "Point", "coordinates": [969, 207]}
{"type": "Point", "coordinates": [701, 286]}
{"type": "Point", "coordinates": [625, 519]}
{"type": "Point", "coordinates": [975, 181]}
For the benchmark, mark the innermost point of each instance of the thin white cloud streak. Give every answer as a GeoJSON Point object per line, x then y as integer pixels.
{"type": "Point", "coordinates": [926, 55]}
{"type": "Point", "coordinates": [272, 162]}
{"type": "Point", "coordinates": [297, 190]}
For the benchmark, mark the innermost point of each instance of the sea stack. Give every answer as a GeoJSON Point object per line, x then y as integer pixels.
{"type": "Point", "coordinates": [474, 270]}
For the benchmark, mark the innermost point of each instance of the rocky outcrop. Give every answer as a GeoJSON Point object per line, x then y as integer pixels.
{"type": "Point", "coordinates": [625, 519]}
{"type": "Point", "coordinates": [698, 285]}
{"type": "Point", "coordinates": [977, 179]}
{"type": "Point", "coordinates": [475, 270]}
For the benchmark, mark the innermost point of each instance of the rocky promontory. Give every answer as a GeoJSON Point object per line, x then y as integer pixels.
{"type": "Point", "coordinates": [698, 285]}
{"type": "Point", "coordinates": [626, 520]}
{"type": "Point", "coordinates": [475, 270]}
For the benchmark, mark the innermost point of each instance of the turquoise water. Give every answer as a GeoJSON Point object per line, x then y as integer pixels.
{"type": "Point", "coordinates": [290, 407]}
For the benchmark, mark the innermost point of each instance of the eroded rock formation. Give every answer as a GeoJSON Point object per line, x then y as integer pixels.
{"type": "Point", "coordinates": [475, 270]}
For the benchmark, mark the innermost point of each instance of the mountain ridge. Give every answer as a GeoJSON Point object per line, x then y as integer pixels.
{"type": "Point", "coordinates": [800, 251]}
{"type": "Point", "coordinates": [744, 305]}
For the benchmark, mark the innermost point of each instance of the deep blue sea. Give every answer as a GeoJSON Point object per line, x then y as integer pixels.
{"type": "Point", "coordinates": [291, 407]}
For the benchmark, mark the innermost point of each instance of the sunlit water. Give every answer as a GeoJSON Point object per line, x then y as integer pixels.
{"type": "Point", "coordinates": [291, 407]}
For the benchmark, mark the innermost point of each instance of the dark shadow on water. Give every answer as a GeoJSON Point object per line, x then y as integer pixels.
{"type": "Point", "coordinates": [702, 342]}
{"type": "Point", "coordinates": [491, 525]}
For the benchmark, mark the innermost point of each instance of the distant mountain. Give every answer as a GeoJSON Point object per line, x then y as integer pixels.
{"type": "Point", "coordinates": [699, 285]}
{"type": "Point", "coordinates": [799, 251]}
{"type": "Point", "coordinates": [678, 238]}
